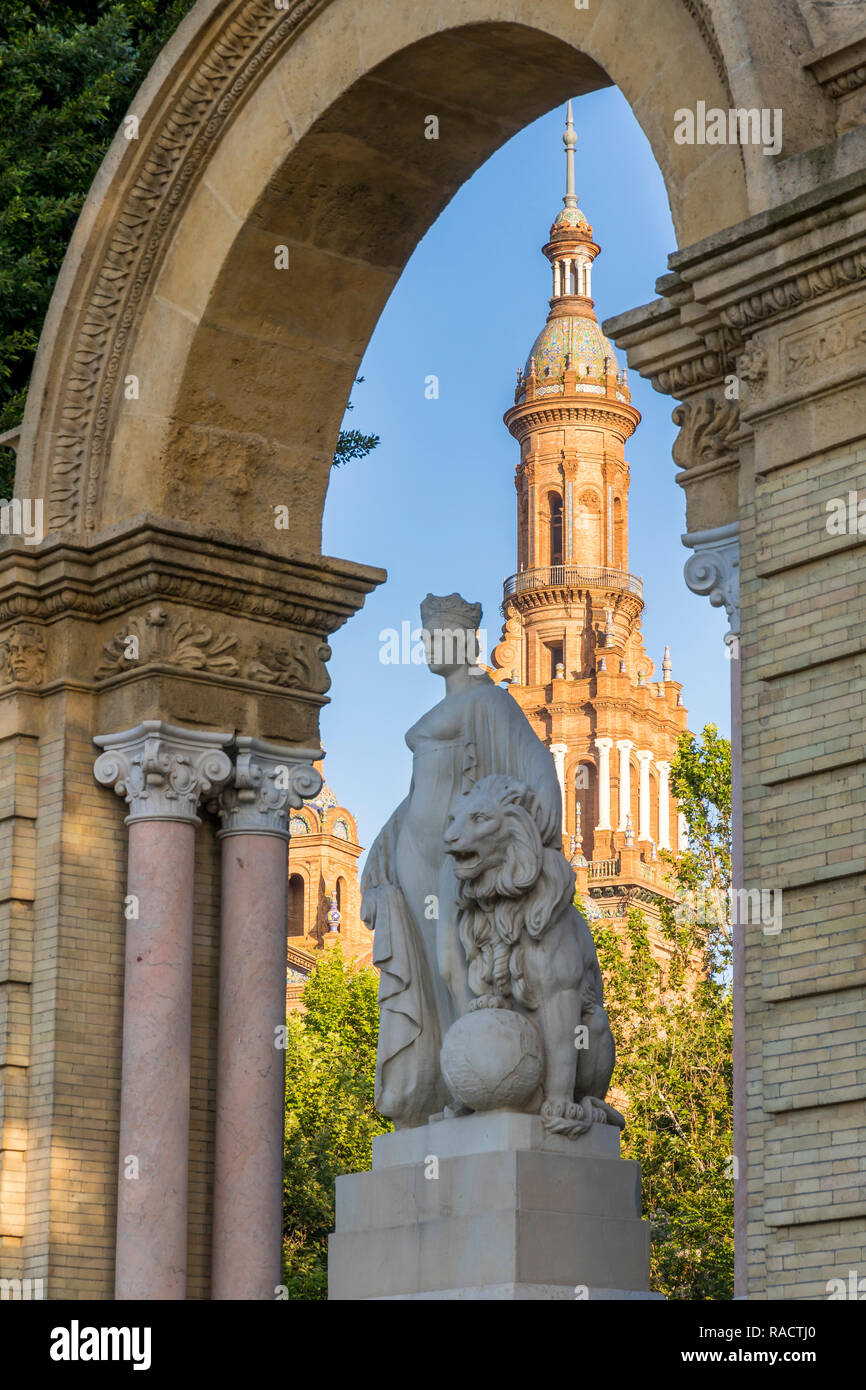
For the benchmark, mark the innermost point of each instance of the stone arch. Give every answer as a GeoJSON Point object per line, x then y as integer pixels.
{"type": "Point", "coordinates": [262, 128]}
{"type": "Point", "coordinates": [304, 128]}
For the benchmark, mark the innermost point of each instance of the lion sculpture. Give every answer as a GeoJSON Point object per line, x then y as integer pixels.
{"type": "Point", "coordinates": [519, 943]}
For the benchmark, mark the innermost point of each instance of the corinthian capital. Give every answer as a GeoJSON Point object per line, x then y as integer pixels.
{"type": "Point", "coordinates": [267, 782]}
{"type": "Point", "coordinates": [163, 772]}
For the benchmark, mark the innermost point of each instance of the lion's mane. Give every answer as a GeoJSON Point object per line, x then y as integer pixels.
{"type": "Point", "coordinates": [522, 896]}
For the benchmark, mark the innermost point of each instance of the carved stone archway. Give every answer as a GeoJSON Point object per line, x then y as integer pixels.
{"type": "Point", "coordinates": [188, 390]}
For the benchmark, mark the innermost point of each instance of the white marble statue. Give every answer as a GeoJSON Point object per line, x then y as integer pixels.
{"type": "Point", "coordinates": [490, 993]}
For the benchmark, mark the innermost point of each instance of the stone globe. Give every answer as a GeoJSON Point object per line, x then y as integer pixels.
{"type": "Point", "coordinates": [492, 1059]}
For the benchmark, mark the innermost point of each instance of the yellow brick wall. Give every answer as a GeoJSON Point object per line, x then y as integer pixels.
{"type": "Point", "coordinates": [804, 821]}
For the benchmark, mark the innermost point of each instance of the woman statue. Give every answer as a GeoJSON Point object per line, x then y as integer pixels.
{"type": "Point", "coordinates": [409, 886]}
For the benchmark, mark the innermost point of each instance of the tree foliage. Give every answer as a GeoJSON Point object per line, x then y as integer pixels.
{"type": "Point", "coordinates": [68, 73]}
{"type": "Point", "coordinates": [331, 1120]}
{"type": "Point", "coordinates": [353, 444]}
{"type": "Point", "coordinates": [673, 1028]}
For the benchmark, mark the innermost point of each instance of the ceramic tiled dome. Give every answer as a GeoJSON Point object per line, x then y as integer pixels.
{"type": "Point", "coordinates": [568, 219]}
{"type": "Point", "coordinates": [580, 339]}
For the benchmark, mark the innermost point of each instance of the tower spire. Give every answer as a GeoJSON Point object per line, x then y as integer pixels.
{"type": "Point", "coordinates": [569, 140]}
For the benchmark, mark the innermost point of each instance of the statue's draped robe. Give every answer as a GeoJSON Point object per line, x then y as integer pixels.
{"type": "Point", "coordinates": [496, 738]}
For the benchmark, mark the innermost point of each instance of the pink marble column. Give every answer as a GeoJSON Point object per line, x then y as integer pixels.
{"type": "Point", "coordinates": [162, 772]}
{"type": "Point", "coordinates": [247, 1223]}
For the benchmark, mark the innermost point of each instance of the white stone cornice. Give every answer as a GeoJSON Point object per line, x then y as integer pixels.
{"type": "Point", "coordinates": [163, 771]}
{"type": "Point", "coordinates": [714, 569]}
{"type": "Point", "coordinates": [267, 782]}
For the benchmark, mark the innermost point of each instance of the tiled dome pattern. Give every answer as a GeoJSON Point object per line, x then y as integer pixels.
{"type": "Point", "coordinates": [581, 338]}
{"type": "Point", "coordinates": [569, 218]}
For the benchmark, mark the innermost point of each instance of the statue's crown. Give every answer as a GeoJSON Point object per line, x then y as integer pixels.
{"type": "Point", "coordinates": [449, 611]}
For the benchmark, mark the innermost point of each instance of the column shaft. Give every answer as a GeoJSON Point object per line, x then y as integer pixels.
{"type": "Point", "coordinates": [664, 806]}
{"type": "Point", "coordinates": [643, 832]}
{"type": "Point", "coordinates": [250, 1068]}
{"type": "Point", "coordinates": [162, 772]}
{"type": "Point", "coordinates": [604, 746]}
{"type": "Point", "coordinates": [154, 1107]}
{"type": "Point", "coordinates": [625, 747]}
{"type": "Point", "coordinates": [248, 1176]}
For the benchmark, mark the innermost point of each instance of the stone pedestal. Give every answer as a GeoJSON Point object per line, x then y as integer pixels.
{"type": "Point", "coordinates": [491, 1207]}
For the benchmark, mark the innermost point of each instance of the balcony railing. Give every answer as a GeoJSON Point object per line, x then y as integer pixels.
{"type": "Point", "coordinates": [572, 577]}
{"type": "Point", "coordinates": [604, 868]}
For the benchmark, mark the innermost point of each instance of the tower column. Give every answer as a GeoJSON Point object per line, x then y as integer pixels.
{"type": "Point", "coordinates": [162, 772]}
{"type": "Point", "coordinates": [558, 752]}
{"type": "Point", "coordinates": [604, 746]}
{"type": "Point", "coordinates": [664, 805]}
{"type": "Point", "coordinates": [625, 746]}
{"type": "Point", "coordinates": [254, 808]}
{"type": "Point", "coordinates": [643, 826]}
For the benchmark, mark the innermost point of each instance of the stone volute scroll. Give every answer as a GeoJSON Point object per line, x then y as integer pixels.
{"type": "Point", "coordinates": [490, 993]}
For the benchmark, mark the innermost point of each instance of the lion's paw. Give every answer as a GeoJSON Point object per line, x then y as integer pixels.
{"type": "Point", "coordinates": [489, 1001]}
{"type": "Point", "coordinates": [564, 1117]}
{"type": "Point", "coordinates": [603, 1113]}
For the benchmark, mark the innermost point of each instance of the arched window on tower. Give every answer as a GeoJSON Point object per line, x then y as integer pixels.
{"type": "Point", "coordinates": [296, 905]}
{"type": "Point", "coordinates": [554, 503]}
{"type": "Point", "coordinates": [618, 549]}
{"type": "Point", "coordinates": [342, 902]}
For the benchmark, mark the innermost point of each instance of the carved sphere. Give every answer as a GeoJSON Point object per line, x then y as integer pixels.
{"type": "Point", "coordinates": [492, 1059]}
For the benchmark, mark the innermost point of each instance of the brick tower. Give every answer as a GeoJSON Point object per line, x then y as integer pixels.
{"type": "Point", "coordinates": [324, 896]}
{"type": "Point", "coordinates": [572, 649]}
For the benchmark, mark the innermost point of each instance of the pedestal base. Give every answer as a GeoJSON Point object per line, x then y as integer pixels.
{"type": "Point", "coordinates": [491, 1207]}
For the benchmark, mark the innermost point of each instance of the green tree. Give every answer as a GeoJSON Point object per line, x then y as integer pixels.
{"type": "Point", "coordinates": [353, 444]}
{"type": "Point", "coordinates": [68, 73]}
{"type": "Point", "coordinates": [673, 1029]}
{"type": "Point", "coordinates": [331, 1120]}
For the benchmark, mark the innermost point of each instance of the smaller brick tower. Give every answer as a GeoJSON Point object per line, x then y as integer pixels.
{"type": "Point", "coordinates": [324, 892]}
{"type": "Point", "coordinates": [572, 649]}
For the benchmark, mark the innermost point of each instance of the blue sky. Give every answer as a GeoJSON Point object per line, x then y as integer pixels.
{"type": "Point", "coordinates": [434, 504]}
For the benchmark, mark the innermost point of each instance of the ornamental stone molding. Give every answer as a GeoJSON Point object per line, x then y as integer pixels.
{"type": "Point", "coordinates": [162, 771]}
{"type": "Point", "coordinates": [714, 569]}
{"type": "Point", "coordinates": [267, 782]}
{"type": "Point", "coordinates": [708, 429]}
{"type": "Point", "coordinates": [187, 644]}
{"type": "Point", "coordinates": [748, 323]}
{"type": "Point", "coordinates": [251, 37]}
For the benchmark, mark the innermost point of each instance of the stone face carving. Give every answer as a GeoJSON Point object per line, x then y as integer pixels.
{"type": "Point", "coordinates": [267, 782]}
{"type": "Point", "coordinates": [470, 899]}
{"type": "Point", "coordinates": [752, 366]}
{"type": "Point", "coordinates": [714, 569]}
{"type": "Point", "coordinates": [162, 771]}
{"type": "Point", "coordinates": [22, 652]}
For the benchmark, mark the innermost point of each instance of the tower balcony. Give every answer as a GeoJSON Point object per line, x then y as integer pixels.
{"type": "Point", "coordinates": [572, 577]}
